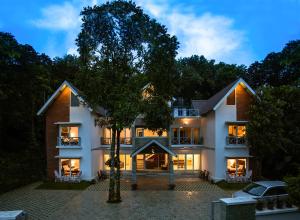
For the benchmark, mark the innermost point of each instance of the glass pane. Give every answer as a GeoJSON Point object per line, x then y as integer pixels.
{"type": "Point", "coordinates": [231, 166]}
{"type": "Point", "coordinates": [232, 130]}
{"type": "Point", "coordinates": [73, 131]}
{"type": "Point", "coordinates": [74, 100]}
{"type": "Point", "coordinates": [196, 161]}
{"type": "Point", "coordinates": [128, 162]}
{"type": "Point", "coordinates": [122, 161]}
{"type": "Point", "coordinates": [139, 132]}
{"type": "Point", "coordinates": [106, 158]}
{"type": "Point", "coordinates": [75, 166]}
{"type": "Point", "coordinates": [64, 132]}
{"type": "Point", "coordinates": [241, 167]}
{"type": "Point", "coordinates": [175, 162]}
{"type": "Point", "coordinates": [106, 133]}
{"type": "Point", "coordinates": [185, 135]}
{"type": "Point", "coordinates": [181, 161]}
{"type": "Point", "coordinates": [65, 167]}
{"type": "Point", "coordinates": [189, 161]}
{"type": "Point", "coordinates": [241, 131]}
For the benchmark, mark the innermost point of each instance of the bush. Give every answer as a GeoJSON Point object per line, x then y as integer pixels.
{"type": "Point", "coordinates": [259, 205]}
{"type": "Point", "coordinates": [294, 189]}
{"type": "Point", "coordinates": [270, 204]}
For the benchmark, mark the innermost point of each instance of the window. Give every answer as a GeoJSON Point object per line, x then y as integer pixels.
{"type": "Point", "coordinates": [236, 167]}
{"type": "Point", "coordinates": [179, 162]}
{"type": "Point", "coordinates": [74, 100]}
{"type": "Point", "coordinates": [189, 162]}
{"type": "Point", "coordinates": [255, 189]}
{"type": "Point", "coordinates": [196, 161]}
{"type": "Point", "coordinates": [69, 167]}
{"type": "Point", "coordinates": [144, 132]}
{"type": "Point", "coordinates": [69, 136]}
{"type": "Point", "coordinates": [231, 98]}
{"type": "Point", "coordinates": [125, 162]}
{"type": "Point", "coordinates": [237, 130]}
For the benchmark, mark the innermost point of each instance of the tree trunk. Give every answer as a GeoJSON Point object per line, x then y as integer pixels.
{"type": "Point", "coordinates": [118, 173]}
{"type": "Point", "coordinates": [111, 193]}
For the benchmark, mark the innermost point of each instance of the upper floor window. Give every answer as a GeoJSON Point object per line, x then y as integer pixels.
{"type": "Point", "coordinates": [231, 98]}
{"type": "Point", "coordinates": [186, 135]}
{"type": "Point", "coordinates": [236, 134]}
{"type": "Point", "coordinates": [69, 135]}
{"type": "Point", "coordinates": [74, 100]}
{"type": "Point", "coordinates": [144, 132]}
{"type": "Point", "coordinates": [125, 136]}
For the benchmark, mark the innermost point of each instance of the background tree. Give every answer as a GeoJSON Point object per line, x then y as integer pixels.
{"type": "Point", "coordinates": [273, 131]}
{"type": "Point", "coordinates": [121, 50]}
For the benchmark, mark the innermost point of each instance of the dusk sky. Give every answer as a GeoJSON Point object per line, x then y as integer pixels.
{"type": "Point", "coordinates": [233, 31]}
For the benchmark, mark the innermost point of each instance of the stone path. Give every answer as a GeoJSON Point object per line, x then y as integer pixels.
{"type": "Point", "coordinates": [191, 200]}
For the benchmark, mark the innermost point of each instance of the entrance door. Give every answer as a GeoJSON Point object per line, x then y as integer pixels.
{"type": "Point", "coordinates": [157, 161]}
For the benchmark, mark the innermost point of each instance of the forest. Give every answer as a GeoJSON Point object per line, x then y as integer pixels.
{"type": "Point", "coordinates": [28, 78]}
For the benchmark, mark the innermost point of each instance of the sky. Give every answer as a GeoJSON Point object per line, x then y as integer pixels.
{"type": "Point", "coordinates": [231, 31]}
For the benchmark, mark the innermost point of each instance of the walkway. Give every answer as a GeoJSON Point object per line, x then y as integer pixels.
{"type": "Point", "coordinates": [191, 200]}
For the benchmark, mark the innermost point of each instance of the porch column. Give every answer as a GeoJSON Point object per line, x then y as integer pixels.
{"type": "Point", "coordinates": [133, 177]}
{"type": "Point", "coordinates": [171, 173]}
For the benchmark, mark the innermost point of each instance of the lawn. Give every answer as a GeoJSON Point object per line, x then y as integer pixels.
{"type": "Point", "coordinates": [64, 186]}
{"type": "Point", "coordinates": [231, 186]}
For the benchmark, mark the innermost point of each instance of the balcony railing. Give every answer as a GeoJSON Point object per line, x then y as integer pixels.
{"type": "Point", "coordinates": [234, 140]}
{"type": "Point", "coordinates": [68, 141]}
{"type": "Point", "coordinates": [185, 112]}
{"type": "Point", "coordinates": [187, 140]}
{"type": "Point", "coordinates": [107, 141]}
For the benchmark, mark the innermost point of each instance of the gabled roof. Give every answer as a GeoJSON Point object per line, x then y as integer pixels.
{"type": "Point", "coordinates": [138, 150]}
{"type": "Point", "coordinates": [213, 102]}
{"type": "Point", "coordinates": [75, 91]}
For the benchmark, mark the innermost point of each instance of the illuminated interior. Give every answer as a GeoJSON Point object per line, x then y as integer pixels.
{"type": "Point", "coordinates": [69, 135]}
{"type": "Point", "coordinates": [237, 167]}
{"type": "Point", "coordinates": [125, 162]}
{"type": "Point", "coordinates": [237, 130]}
{"type": "Point", "coordinates": [69, 167]}
{"type": "Point", "coordinates": [144, 132]}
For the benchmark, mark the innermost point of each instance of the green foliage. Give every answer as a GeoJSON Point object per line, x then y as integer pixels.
{"type": "Point", "coordinates": [282, 68]}
{"type": "Point", "coordinates": [273, 131]}
{"type": "Point", "coordinates": [294, 189]}
{"type": "Point", "coordinates": [231, 186]}
{"type": "Point", "coordinates": [201, 78]}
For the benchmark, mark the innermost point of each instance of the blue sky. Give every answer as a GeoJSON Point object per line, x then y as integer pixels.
{"type": "Point", "coordinates": [233, 31]}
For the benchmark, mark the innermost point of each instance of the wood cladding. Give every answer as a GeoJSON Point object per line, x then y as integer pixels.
{"type": "Point", "coordinates": [59, 110]}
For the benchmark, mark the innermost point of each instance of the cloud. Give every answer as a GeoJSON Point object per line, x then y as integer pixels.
{"type": "Point", "coordinates": [59, 17]}
{"type": "Point", "coordinates": [213, 36]}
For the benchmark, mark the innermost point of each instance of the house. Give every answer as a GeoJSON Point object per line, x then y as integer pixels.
{"type": "Point", "coordinates": [209, 135]}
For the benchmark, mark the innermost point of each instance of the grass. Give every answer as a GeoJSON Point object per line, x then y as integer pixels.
{"type": "Point", "coordinates": [64, 186]}
{"type": "Point", "coordinates": [231, 186]}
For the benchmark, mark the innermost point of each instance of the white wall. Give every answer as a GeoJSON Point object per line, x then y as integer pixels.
{"type": "Point", "coordinates": [208, 130]}
{"type": "Point", "coordinates": [222, 114]}
{"type": "Point", "coordinates": [208, 161]}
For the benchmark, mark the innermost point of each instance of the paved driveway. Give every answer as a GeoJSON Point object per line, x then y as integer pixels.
{"type": "Point", "coordinates": [191, 200]}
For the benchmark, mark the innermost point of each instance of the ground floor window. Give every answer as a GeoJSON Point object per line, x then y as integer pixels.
{"type": "Point", "coordinates": [187, 162]}
{"type": "Point", "coordinates": [69, 167]}
{"type": "Point", "coordinates": [237, 166]}
{"type": "Point", "coordinates": [125, 161]}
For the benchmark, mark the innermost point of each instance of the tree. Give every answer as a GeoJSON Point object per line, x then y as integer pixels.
{"type": "Point", "coordinates": [273, 130]}
{"type": "Point", "coordinates": [121, 50]}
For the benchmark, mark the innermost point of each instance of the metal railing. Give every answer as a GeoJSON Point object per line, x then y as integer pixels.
{"type": "Point", "coordinates": [185, 112]}
{"type": "Point", "coordinates": [68, 141]}
{"type": "Point", "coordinates": [107, 141]}
{"type": "Point", "coordinates": [234, 140]}
{"type": "Point", "coordinates": [186, 140]}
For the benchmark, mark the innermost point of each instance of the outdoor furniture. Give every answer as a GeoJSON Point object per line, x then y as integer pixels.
{"type": "Point", "coordinates": [101, 175]}
{"type": "Point", "coordinates": [76, 178]}
{"type": "Point", "coordinates": [230, 178]}
{"type": "Point", "coordinates": [57, 176]}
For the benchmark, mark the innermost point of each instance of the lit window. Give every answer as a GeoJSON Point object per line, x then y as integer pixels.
{"type": "Point", "coordinates": [69, 167]}
{"type": "Point", "coordinates": [196, 161]}
{"type": "Point", "coordinates": [237, 130]}
{"type": "Point", "coordinates": [189, 161]}
{"type": "Point", "coordinates": [237, 167]}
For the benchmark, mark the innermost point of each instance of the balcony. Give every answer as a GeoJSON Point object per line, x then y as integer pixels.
{"type": "Point", "coordinates": [68, 141]}
{"type": "Point", "coordinates": [185, 112]}
{"type": "Point", "coordinates": [187, 140]}
{"type": "Point", "coordinates": [234, 140]}
{"type": "Point", "coordinates": [107, 141]}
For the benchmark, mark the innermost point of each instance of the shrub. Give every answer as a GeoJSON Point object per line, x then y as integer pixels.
{"type": "Point", "coordinates": [259, 205]}
{"type": "Point", "coordinates": [294, 189]}
{"type": "Point", "coordinates": [270, 204]}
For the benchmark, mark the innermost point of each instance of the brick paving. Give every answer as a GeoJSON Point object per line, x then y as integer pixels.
{"type": "Point", "coordinates": [191, 199]}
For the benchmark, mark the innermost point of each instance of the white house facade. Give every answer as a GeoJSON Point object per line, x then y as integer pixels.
{"type": "Point", "coordinates": [209, 135]}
